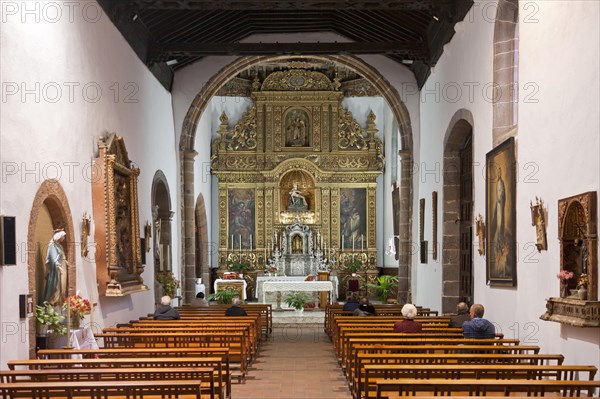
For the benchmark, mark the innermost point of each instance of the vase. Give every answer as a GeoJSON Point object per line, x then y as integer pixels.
{"type": "Point", "coordinates": [582, 293]}
{"type": "Point", "coordinates": [564, 290]}
{"type": "Point", "coordinates": [75, 322]}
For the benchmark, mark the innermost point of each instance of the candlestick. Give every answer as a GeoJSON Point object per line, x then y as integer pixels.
{"type": "Point", "coordinates": [251, 242]}
{"type": "Point", "coordinates": [362, 243]}
{"type": "Point", "coordinates": [240, 244]}
{"type": "Point", "coordinates": [342, 247]}
{"type": "Point", "coordinates": [352, 245]}
{"type": "Point", "coordinates": [232, 243]}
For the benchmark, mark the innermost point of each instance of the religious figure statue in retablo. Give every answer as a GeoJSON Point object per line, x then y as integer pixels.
{"type": "Point", "coordinates": [297, 201]}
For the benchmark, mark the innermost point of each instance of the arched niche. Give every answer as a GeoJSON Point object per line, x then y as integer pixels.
{"type": "Point", "coordinates": [50, 210]}
{"type": "Point", "coordinates": [578, 235]}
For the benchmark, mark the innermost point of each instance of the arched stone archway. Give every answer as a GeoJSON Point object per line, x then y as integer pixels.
{"type": "Point", "coordinates": [162, 215]}
{"type": "Point", "coordinates": [457, 263]}
{"type": "Point", "coordinates": [188, 153]}
{"type": "Point", "coordinates": [50, 203]}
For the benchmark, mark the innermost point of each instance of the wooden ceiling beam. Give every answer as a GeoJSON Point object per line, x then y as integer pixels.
{"type": "Point", "coordinates": [173, 50]}
{"type": "Point", "coordinates": [387, 5]}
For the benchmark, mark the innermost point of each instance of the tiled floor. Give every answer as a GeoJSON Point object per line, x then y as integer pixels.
{"type": "Point", "coordinates": [296, 363]}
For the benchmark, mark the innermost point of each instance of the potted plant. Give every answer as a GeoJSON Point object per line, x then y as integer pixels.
{"type": "Point", "coordinates": [385, 287]}
{"type": "Point", "coordinates": [297, 300]}
{"type": "Point", "coordinates": [224, 296]}
{"type": "Point", "coordinates": [354, 266]}
{"type": "Point", "coordinates": [239, 267]}
{"type": "Point", "coordinates": [46, 318]}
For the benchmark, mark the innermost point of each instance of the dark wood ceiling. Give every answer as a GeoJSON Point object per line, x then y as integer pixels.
{"type": "Point", "coordinates": [168, 35]}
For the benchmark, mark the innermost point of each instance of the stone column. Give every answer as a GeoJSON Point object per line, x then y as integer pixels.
{"type": "Point", "coordinates": [404, 224]}
{"type": "Point", "coordinates": [188, 267]}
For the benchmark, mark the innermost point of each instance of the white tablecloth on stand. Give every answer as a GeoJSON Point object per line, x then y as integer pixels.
{"type": "Point", "coordinates": [306, 286]}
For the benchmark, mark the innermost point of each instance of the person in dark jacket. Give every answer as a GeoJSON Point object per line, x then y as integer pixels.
{"type": "Point", "coordinates": [235, 309]}
{"type": "Point", "coordinates": [165, 311]}
{"type": "Point", "coordinates": [478, 327]}
{"type": "Point", "coordinates": [365, 309]}
{"type": "Point", "coordinates": [352, 303]}
{"type": "Point", "coordinates": [462, 315]}
{"type": "Point", "coordinates": [408, 325]}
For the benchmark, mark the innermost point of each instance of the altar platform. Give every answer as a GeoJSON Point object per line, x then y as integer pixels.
{"type": "Point", "coordinates": [290, 318]}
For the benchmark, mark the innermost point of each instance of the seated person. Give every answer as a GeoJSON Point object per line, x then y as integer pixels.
{"type": "Point", "coordinates": [351, 302]}
{"type": "Point", "coordinates": [408, 325]}
{"type": "Point", "coordinates": [365, 309]}
{"type": "Point", "coordinates": [478, 327]}
{"type": "Point", "coordinates": [462, 315]}
{"type": "Point", "coordinates": [199, 300]}
{"type": "Point", "coordinates": [165, 311]}
{"type": "Point", "coordinates": [235, 309]}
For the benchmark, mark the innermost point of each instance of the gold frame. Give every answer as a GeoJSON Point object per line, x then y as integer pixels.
{"type": "Point", "coordinates": [118, 274]}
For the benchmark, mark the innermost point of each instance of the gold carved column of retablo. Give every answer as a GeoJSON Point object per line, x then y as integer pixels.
{"type": "Point", "coordinates": [260, 224]}
{"type": "Point", "coordinates": [325, 145]}
{"type": "Point", "coordinates": [223, 233]}
{"type": "Point", "coordinates": [326, 216]}
{"type": "Point", "coordinates": [335, 218]}
{"type": "Point", "coordinates": [268, 217]}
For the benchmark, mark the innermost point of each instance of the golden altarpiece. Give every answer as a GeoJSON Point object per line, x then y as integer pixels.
{"type": "Point", "coordinates": [116, 217]}
{"type": "Point", "coordinates": [297, 182]}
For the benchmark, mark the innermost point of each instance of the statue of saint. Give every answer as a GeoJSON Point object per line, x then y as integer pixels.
{"type": "Point", "coordinates": [56, 271]}
{"type": "Point", "coordinates": [297, 201]}
{"type": "Point", "coordinates": [296, 130]}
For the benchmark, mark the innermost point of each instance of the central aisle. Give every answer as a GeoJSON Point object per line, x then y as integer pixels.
{"type": "Point", "coordinates": [296, 363]}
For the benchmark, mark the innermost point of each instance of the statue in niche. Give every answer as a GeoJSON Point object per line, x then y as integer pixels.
{"type": "Point", "coordinates": [56, 271]}
{"type": "Point", "coordinates": [296, 129]}
{"type": "Point", "coordinates": [297, 201]}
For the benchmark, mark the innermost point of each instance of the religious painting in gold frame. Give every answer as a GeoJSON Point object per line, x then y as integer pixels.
{"type": "Point", "coordinates": [353, 218]}
{"type": "Point", "coordinates": [501, 261]}
{"type": "Point", "coordinates": [241, 210]}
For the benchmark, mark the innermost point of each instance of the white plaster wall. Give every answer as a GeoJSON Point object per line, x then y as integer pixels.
{"type": "Point", "coordinates": [557, 153]}
{"type": "Point", "coordinates": [72, 49]}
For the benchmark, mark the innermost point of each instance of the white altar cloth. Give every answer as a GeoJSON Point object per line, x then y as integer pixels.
{"type": "Point", "coordinates": [306, 286]}
{"type": "Point", "coordinates": [260, 280]}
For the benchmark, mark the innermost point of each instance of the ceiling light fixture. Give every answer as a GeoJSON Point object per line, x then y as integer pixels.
{"type": "Point", "coordinates": [134, 17]}
{"type": "Point", "coordinates": [172, 62]}
{"type": "Point", "coordinates": [436, 18]}
{"type": "Point", "coordinates": [407, 62]}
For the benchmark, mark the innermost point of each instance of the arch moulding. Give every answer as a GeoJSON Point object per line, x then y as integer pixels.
{"type": "Point", "coordinates": [187, 153]}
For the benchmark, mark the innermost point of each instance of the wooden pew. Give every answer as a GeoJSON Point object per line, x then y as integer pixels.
{"type": "Point", "coordinates": [365, 388]}
{"type": "Point", "coordinates": [204, 375]}
{"type": "Point", "coordinates": [346, 352]}
{"type": "Point", "coordinates": [103, 389]}
{"type": "Point", "coordinates": [239, 353]}
{"type": "Point", "coordinates": [391, 388]}
{"type": "Point", "coordinates": [222, 376]}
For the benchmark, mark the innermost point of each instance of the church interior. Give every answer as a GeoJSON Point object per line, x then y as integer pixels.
{"type": "Point", "coordinates": [450, 148]}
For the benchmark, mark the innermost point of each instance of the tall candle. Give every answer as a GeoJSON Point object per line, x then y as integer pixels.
{"type": "Point", "coordinates": [342, 248]}
{"type": "Point", "coordinates": [362, 243]}
{"type": "Point", "coordinates": [232, 243]}
{"type": "Point", "coordinates": [353, 244]}
{"type": "Point", "coordinates": [240, 243]}
{"type": "Point", "coordinates": [250, 241]}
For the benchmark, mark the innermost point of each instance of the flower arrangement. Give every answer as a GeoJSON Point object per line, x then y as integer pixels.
{"type": "Point", "coordinates": [78, 306]}
{"type": "Point", "coordinates": [583, 280]}
{"type": "Point", "coordinates": [169, 283]}
{"type": "Point", "coordinates": [564, 275]}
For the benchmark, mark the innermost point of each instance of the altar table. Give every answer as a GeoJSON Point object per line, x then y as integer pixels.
{"type": "Point", "coordinates": [306, 286]}
{"type": "Point", "coordinates": [260, 280]}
